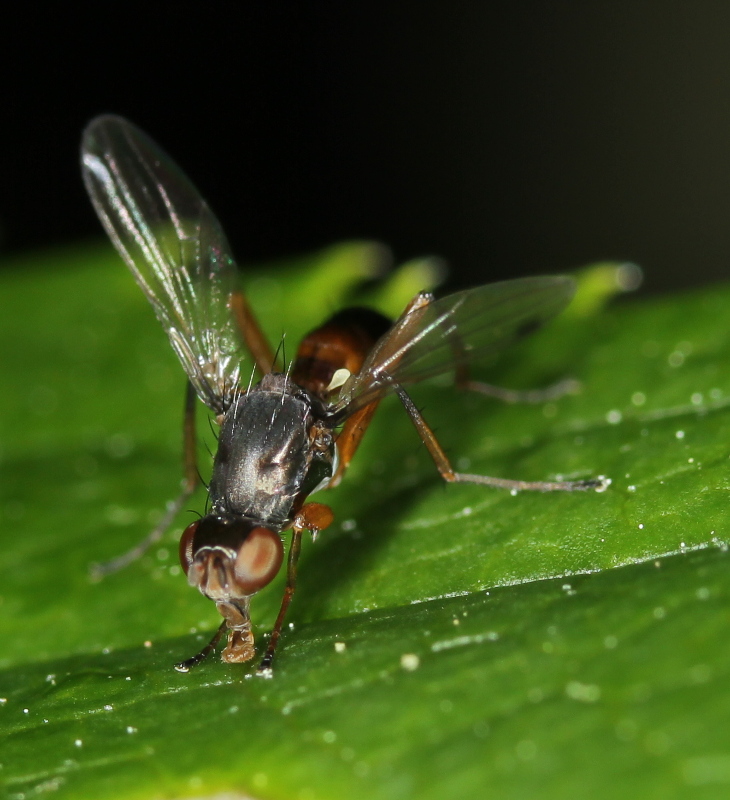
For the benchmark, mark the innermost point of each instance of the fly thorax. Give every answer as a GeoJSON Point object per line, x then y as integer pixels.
{"type": "Point", "coordinates": [269, 442]}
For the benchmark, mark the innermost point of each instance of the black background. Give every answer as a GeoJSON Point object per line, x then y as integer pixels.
{"type": "Point", "coordinates": [510, 138]}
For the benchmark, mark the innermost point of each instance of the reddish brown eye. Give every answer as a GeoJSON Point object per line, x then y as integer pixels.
{"type": "Point", "coordinates": [258, 560]}
{"type": "Point", "coordinates": [186, 546]}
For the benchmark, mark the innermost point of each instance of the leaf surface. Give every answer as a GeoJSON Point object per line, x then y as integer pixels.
{"type": "Point", "coordinates": [545, 645]}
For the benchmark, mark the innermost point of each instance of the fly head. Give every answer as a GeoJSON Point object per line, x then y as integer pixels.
{"type": "Point", "coordinates": [229, 559]}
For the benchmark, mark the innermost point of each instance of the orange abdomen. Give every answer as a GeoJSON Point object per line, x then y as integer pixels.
{"type": "Point", "coordinates": [343, 342]}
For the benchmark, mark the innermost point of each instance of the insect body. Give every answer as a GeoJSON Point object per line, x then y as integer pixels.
{"type": "Point", "coordinates": [293, 432]}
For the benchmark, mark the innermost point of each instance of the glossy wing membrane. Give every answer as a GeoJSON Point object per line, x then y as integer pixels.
{"type": "Point", "coordinates": [440, 336]}
{"type": "Point", "coordinates": [174, 246]}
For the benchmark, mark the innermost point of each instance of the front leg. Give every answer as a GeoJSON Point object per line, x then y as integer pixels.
{"type": "Point", "coordinates": [313, 517]}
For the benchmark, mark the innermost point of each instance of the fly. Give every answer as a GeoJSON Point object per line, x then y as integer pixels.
{"type": "Point", "coordinates": [293, 432]}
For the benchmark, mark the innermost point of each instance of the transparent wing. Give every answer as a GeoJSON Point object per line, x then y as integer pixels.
{"type": "Point", "coordinates": [434, 337]}
{"type": "Point", "coordinates": [174, 246]}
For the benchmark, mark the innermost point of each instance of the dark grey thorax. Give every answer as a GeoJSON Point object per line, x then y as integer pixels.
{"type": "Point", "coordinates": [265, 454]}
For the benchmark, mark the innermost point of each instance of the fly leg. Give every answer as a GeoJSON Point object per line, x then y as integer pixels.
{"type": "Point", "coordinates": [190, 482]}
{"type": "Point", "coordinates": [354, 429]}
{"type": "Point", "coordinates": [313, 517]}
{"type": "Point", "coordinates": [240, 647]}
{"type": "Point", "coordinates": [449, 474]}
{"type": "Point", "coordinates": [251, 333]}
{"type": "Point", "coordinates": [190, 663]}
{"type": "Point", "coordinates": [349, 439]}
{"type": "Point", "coordinates": [532, 396]}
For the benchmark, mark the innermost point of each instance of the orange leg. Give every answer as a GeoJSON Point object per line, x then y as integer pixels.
{"type": "Point", "coordinates": [251, 333]}
{"type": "Point", "coordinates": [313, 517]}
{"type": "Point", "coordinates": [350, 437]}
{"type": "Point", "coordinates": [448, 474]}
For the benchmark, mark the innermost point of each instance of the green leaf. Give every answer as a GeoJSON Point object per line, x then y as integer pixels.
{"type": "Point", "coordinates": [446, 641]}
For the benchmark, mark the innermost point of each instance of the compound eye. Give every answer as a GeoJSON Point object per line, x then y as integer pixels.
{"type": "Point", "coordinates": [186, 546]}
{"type": "Point", "coordinates": [258, 560]}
